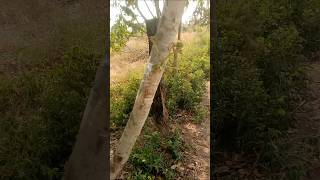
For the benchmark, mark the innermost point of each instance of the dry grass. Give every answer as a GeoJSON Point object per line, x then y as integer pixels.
{"type": "Point", "coordinates": [134, 56]}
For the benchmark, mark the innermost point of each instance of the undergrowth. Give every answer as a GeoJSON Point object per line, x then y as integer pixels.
{"type": "Point", "coordinates": [42, 114]}
{"type": "Point", "coordinates": [56, 52]}
{"type": "Point", "coordinates": [156, 156]}
{"type": "Point", "coordinates": [123, 96]}
{"type": "Point", "coordinates": [260, 79]}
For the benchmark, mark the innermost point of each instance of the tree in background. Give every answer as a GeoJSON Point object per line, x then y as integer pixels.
{"type": "Point", "coordinates": [201, 15]}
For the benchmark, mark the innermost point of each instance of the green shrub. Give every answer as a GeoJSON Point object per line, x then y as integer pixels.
{"type": "Point", "coordinates": [187, 85]}
{"type": "Point", "coordinates": [174, 144]}
{"type": "Point", "coordinates": [259, 70]}
{"type": "Point", "coordinates": [200, 114]}
{"type": "Point", "coordinates": [150, 160]}
{"type": "Point", "coordinates": [259, 76]}
{"type": "Point", "coordinates": [39, 129]}
{"type": "Point", "coordinates": [140, 175]}
{"type": "Point", "coordinates": [122, 99]}
{"type": "Point", "coordinates": [184, 91]}
{"type": "Point", "coordinates": [119, 36]}
{"type": "Point", "coordinates": [64, 100]}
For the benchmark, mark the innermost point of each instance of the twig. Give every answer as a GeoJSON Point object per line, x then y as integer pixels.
{"type": "Point", "coordinates": [136, 5]}
{"type": "Point", "coordinates": [149, 8]}
{"type": "Point", "coordinates": [156, 2]}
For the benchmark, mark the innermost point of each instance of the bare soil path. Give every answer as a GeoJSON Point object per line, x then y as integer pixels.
{"type": "Point", "coordinates": [196, 136]}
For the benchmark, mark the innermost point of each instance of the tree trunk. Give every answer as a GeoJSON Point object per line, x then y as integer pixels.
{"type": "Point", "coordinates": [176, 50]}
{"type": "Point", "coordinates": [158, 108]}
{"type": "Point", "coordinates": [90, 153]}
{"type": "Point", "coordinates": [151, 26]}
{"type": "Point", "coordinates": [168, 29]}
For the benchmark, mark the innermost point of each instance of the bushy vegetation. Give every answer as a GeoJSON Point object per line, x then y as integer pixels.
{"type": "Point", "coordinates": [156, 156]}
{"type": "Point", "coordinates": [123, 96]}
{"type": "Point", "coordinates": [187, 85]}
{"type": "Point", "coordinates": [260, 74]}
{"type": "Point", "coordinates": [42, 104]}
{"type": "Point", "coordinates": [42, 113]}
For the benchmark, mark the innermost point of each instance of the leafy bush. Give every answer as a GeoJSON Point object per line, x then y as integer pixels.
{"type": "Point", "coordinates": [258, 71]}
{"type": "Point", "coordinates": [41, 106]}
{"type": "Point", "coordinates": [149, 161]}
{"type": "Point", "coordinates": [174, 144]}
{"type": "Point", "coordinates": [119, 36]}
{"type": "Point", "coordinates": [45, 109]}
{"type": "Point", "coordinates": [149, 157]}
{"type": "Point", "coordinates": [260, 76]}
{"type": "Point", "coordinates": [140, 175]}
{"type": "Point", "coordinates": [122, 99]}
{"type": "Point", "coordinates": [184, 91]}
{"type": "Point", "coordinates": [187, 85]}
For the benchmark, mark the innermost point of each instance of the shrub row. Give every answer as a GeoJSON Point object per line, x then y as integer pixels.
{"type": "Point", "coordinates": [259, 74]}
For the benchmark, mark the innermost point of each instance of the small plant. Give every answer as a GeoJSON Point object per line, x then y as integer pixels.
{"type": "Point", "coordinates": [139, 175]}
{"type": "Point", "coordinates": [200, 114]}
{"type": "Point", "coordinates": [122, 99]}
{"type": "Point", "coordinates": [149, 157]}
{"type": "Point", "coordinates": [149, 161]}
{"type": "Point", "coordinates": [174, 144]}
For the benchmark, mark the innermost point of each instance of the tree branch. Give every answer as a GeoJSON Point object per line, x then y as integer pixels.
{"type": "Point", "coordinates": [156, 3]}
{"type": "Point", "coordinates": [149, 9]}
{"type": "Point", "coordinates": [136, 5]}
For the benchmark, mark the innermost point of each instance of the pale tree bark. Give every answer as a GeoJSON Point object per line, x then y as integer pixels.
{"type": "Point", "coordinates": [90, 155]}
{"type": "Point", "coordinates": [176, 50]}
{"type": "Point", "coordinates": [156, 3]}
{"type": "Point", "coordinates": [168, 29]}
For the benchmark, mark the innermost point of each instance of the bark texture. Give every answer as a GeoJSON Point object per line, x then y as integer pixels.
{"type": "Point", "coordinates": [176, 50]}
{"type": "Point", "coordinates": [156, 2]}
{"type": "Point", "coordinates": [152, 26]}
{"type": "Point", "coordinates": [168, 29]}
{"type": "Point", "coordinates": [158, 109]}
{"type": "Point", "coordinates": [90, 155]}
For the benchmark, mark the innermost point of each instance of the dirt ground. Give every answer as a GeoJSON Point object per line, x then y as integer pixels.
{"type": "Point", "coordinates": [196, 158]}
